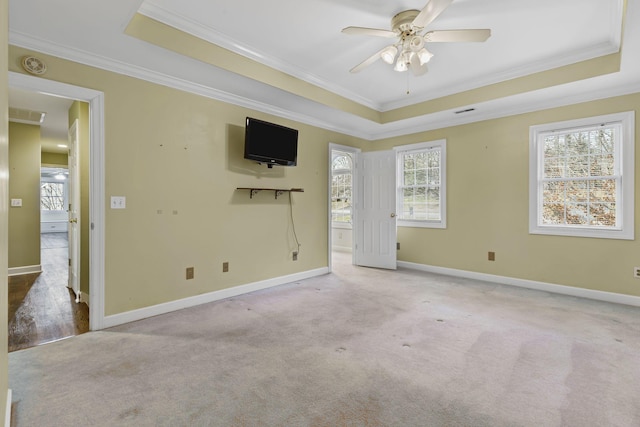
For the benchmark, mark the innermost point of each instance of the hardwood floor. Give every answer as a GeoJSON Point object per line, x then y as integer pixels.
{"type": "Point", "coordinates": [41, 307]}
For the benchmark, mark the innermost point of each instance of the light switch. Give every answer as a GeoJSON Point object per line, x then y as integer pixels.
{"type": "Point", "coordinates": [118, 202]}
{"type": "Point", "coordinates": [16, 203]}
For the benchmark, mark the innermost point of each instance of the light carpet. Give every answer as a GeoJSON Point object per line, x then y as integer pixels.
{"type": "Point", "coordinates": [358, 347]}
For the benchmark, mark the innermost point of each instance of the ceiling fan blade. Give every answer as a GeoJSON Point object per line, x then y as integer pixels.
{"type": "Point", "coordinates": [369, 32]}
{"type": "Point", "coordinates": [457, 35]}
{"type": "Point", "coordinates": [370, 60]}
{"type": "Point", "coordinates": [430, 12]}
{"type": "Point", "coordinates": [416, 68]}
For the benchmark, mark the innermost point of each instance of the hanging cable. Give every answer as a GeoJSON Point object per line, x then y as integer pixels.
{"type": "Point", "coordinates": [293, 224]}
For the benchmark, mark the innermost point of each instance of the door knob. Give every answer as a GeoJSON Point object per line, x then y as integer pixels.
{"type": "Point", "coordinates": [393, 215]}
{"type": "Point", "coordinates": [73, 220]}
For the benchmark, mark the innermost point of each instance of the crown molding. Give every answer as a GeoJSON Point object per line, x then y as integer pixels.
{"type": "Point", "coordinates": [512, 109]}
{"type": "Point", "coordinates": [585, 54]}
{"type": "Point", "coordinates": [104, 63]}
{"type": "Point", "coordinates": [370, 131]}
{"type": "Point", "coordinates": [210, 35]}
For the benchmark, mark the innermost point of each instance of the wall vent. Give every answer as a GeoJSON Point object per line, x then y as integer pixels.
{"type": "Point", "coordinates": [29, 117]}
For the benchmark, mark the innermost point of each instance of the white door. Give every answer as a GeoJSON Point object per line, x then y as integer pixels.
{"type": "Point", "coordinates": [74, 210]}
{"type": "Point", "coordinates": [375, 223]}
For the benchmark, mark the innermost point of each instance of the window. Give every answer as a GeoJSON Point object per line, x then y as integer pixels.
{"type": "Point", "coordinates": [421, 184]}
{"type": "Point", "coordinates": [581, 177]}
{"type": "Point", "coordinates": [341, 188]}
{"type": "Point", "coordinates": [52, 196]}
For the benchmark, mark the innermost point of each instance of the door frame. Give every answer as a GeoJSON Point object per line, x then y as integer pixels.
{"type": "Point", "coordinates": [354, 188]}
{"type": "Point", "coordinates": [95, 99]}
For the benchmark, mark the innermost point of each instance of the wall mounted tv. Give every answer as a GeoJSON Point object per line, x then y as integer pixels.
{"type": "Point", "coordinates": [270, 143]}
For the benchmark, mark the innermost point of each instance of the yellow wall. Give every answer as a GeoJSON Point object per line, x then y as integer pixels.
{"type": "Point", "coordinates": [487, 195]}
{"type": "Point", "coordinates": [54, 158]}
{"type": "Point", "coordinates": [169, 151]}
{"type": "Point", "coordinates": [4, 208]}
{"type": "Point", "coordinates": [80, 110]}
{"type": "Point", "coordinates": [24, 183]}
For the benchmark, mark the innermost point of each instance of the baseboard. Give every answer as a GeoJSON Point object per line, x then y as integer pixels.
{"type": "Point", "coordinates": [27, 269]}
{"type": "Point", "coordinates": [343, 249]}
{"type": "Point", "coordinates": [84, 297]}
{"type": "Point", "coordinates": [529, 284]}
{"type": "Point", "coordinates": [155, 310]}
{"type": "Point", "coordinates": [7, 413]}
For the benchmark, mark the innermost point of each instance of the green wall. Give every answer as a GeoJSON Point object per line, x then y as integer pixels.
{"type": "Point", "coordinates": [80, 110]}
{"type": "Point", "coordinates": [24, 183]}
{"type": "Point", "coordinates": [488, 208]}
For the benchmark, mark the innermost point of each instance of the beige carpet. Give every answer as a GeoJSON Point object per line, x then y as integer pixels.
{"type": "Point", "coordinates": [360, 347]}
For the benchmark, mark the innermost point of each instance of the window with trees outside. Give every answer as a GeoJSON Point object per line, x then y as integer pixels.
{"type": "Point", "coordinates": [421, 185]}
{"type": "Point", "coordinates": [341, 188]}
{"type": "Point", "coordinates": [52, 196]}
{"type": "Point", "coordinates": [582, 177]}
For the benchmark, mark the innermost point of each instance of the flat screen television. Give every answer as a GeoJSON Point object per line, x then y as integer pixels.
{"type": "Point", "coordinates": [270, 143]}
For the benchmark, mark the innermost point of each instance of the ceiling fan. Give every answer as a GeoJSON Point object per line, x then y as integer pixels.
{"type": "Point", "coordinates": [409, 51]}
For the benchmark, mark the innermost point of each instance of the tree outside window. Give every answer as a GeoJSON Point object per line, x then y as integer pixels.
{"type": "Point", "coordinates": [52, 196]}
{"type": "Point", "coordinates": [341, 187]}
{"type": "Point", "coordinates": [421, 184]}
{"type": "Point", "coordinates": [582, 177]}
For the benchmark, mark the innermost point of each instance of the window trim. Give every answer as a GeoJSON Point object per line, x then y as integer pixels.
{"type": "Point", "coordinates": [626, 156]}
{"type": "Point", "coordinates": [422, 146]}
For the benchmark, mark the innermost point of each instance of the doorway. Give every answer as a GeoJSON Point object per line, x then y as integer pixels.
{"type": "Point", "coordinates": [342, 189]}
{"type": "Point", "coordinates": [95, 180]}
{"type": "Point", "coordinates": [44, 304]}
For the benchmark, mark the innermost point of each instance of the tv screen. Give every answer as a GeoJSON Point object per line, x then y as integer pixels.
{"type": "Point", "coordinates": [270, 143]}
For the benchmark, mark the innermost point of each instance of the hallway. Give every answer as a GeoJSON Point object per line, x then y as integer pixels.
{"type": "Point", "coordinates": [41, 307]}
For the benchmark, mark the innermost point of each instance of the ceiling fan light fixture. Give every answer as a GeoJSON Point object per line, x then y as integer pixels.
{"type": "Point", "coordinates": [416, 43]}
{"type": "Point", "coordinates": [388, 55]}
{"type": "Point", "coordinates": [424, 55]}
{"type": "Point", "coordinates": [404, 59]}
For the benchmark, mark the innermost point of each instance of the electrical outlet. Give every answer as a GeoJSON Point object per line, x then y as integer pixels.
{"type": "Point", "coordinates": [295, 255]}
{"type": "Point", "coordinates": [190, 273]}
{"type": "Point", "coordinates": [225, 267]}
{"type": "Point", "coordinates": [492, 256]}
{"type": "Point", "coordinates": [636, 272]}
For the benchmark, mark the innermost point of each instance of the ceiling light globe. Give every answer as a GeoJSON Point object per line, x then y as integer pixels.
{"type": "Point", "coordinates": [416, 43]}
{"type": "Point", "coordinates": [389, 54]}
{"type": "Point", "coordinates": [403, 62]}
{"type": "Point", "coordinates": [425, 56]}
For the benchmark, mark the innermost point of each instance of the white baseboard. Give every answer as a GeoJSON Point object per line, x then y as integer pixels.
{"type": "Point", "coordinates": [529, 284]}
{"type": "Point", "coordinates": [155, 310]}
{"type": "Point", "coordinates": [7, 413]}
{"type": "Point", "coordinates": [344, 249]}
{"type": "Point", "coordinates": [27, 269]}
{"type": "Point", "coordinates": [84, 297]}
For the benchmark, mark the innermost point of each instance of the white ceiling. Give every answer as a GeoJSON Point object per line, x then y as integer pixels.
{"type": "Point", "coordinates": [304, 39]}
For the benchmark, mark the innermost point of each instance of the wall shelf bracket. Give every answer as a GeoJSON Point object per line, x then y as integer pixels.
{"type": "Point", "coordinates": [277, 191]}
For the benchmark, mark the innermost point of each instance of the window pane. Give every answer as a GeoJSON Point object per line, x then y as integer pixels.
{"type": "Point", "coordinates": [554, 167]}
{"type": "Point", "coordinates": [577, 214]}
{"type": "Point", "coordinates": [577, 166]}
{"type": "Point", "coordinates": [602, 190]}
{"type": "Point", "coordinates": [52, 196]}
{"type": "Point", "coordinates": [603, 214]}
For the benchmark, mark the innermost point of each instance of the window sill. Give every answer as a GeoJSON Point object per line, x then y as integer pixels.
{"type": "Point", "coordinates": [421, 224]}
